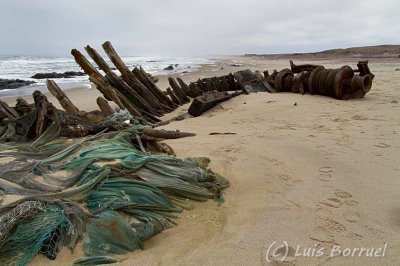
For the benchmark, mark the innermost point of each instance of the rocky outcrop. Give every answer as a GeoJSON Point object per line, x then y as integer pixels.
{"type": "Point", "coordinates": [14, 83]}
{"type": "Point", "coordinates": [55, 75]}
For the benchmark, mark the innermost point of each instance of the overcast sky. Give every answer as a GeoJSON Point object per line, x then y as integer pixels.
{"type": "Point", "coordinates": [200, 27]}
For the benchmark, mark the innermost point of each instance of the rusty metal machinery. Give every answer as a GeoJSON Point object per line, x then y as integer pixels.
{"type": "Point", "coordinates": [341, 83]}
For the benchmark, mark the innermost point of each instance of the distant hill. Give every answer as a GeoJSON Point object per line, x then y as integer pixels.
{"type": "Point", "coordinates": [377, 51]}
{"type": "Point", "coordinates": [370, 50]}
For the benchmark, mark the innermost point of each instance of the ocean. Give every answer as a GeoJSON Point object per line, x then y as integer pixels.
{"type": "Point", "coordinates": [23, 67]}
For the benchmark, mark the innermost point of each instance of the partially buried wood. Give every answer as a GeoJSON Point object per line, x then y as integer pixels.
{"type": "Point", "coordinates": [247, 79]}
{"type": "Point", "coordinates": [45, 114]}
{"type": "Point", "coordinates": [143, 77]}
{"type": "Point", "coordinates": [194, 90]}
{"type": "Point", "coordinates": [105, 108]}
{"type": "Point", "coordinates": [23, 107]}
{"type": "Point", "coordinates": [129, 78]}
{"type": "Point", "coordinates": [173, 96]}
{"type": "Point", "coordinates": [176, 118]}
{"type": "Point", "coordinates": [7, 111]}
{"type": "Point", "coordinates": [177, 90]}
{"type": "Point", "coordinates": [120, 85]}
{"type": "Point", "coordinates": [207, 101]}
{"type": "Point", "coordinates": [118, 98]}
{"type": "Point", "coordinates": [62, 98]}
{"type": "Point", "coordinates": [183, 85]}
{"type": "Point", "coordinates": [95, 75]}
{"type": "Point", "coordinates": [86, 66]}
{"type": "Point", "coordinates": [166, 134]}
{"type": "Point", "coordinates": [97, 59]}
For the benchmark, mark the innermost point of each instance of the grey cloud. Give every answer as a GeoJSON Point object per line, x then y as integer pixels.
{"type": "Point", "coordinates": [178, 27]}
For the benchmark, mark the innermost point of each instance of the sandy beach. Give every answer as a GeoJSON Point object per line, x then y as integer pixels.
{"type": "Point", "coordinates": [318, 174]}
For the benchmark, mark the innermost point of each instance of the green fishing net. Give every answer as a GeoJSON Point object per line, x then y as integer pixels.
{"type": "Point", "coordinates": [30, 228]}
{"type": "Point", "coordinates": [110, 234]}
{"type": "Point", "coordinates": [130, 195]}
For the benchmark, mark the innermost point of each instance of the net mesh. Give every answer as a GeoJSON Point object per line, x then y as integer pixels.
{"type": "Point", "coordinates": [131, 196]}
{"type": "Point", "coordinates": [39, 229]}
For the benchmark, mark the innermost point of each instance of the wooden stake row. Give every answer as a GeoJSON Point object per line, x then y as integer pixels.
{"type": "Point", "coordinates": [133, 90]}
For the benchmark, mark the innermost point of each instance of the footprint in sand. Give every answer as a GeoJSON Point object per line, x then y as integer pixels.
{"type": "Point", "coordinates": [359, 117]}
{"type": "Point", "coordinates": [322, 234]}
{"type": "Point", "coordinates": [351, 202]}
{"type": "Point", "coordinates": [325, 173]}
{"type": "Point", "coordinates": [331, 202]}
{"type": "Point", "coordinates": [354, 236]}
{"type": "Point", "coordinates": [382, 145]}
{"type": "Point", "coordinates": [334, 226]}
{"type": "Point", "coordinates": [343, 194]}
{"type": "Point", "coordinates": [284, 177]}
{"type": "Point", "coordinates": [351, 216]}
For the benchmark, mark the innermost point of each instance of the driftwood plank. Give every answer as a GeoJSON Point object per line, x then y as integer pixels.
{"type": "Point", "coordinates": [129, 78]}
{"type": "Point", "coordinates": [104, 106]}
{"type": "Point", "coordinates": [62, 98]}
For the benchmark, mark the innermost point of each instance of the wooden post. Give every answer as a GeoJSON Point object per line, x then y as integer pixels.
{"type": "Point", "coordinates": [104, 106]}
{"type": "Point", "coordinates": [183, 85]}
{"type": "Point", "coordinates": [62, 98]}
{"type": "Point", "coordinates": [177, 90]}
{"type": "Point", "coordinates": [7, 110]}
{"type": "Point", "coordinates": [174, 98]}
{"type": "Point", "coordinates": [97, 59]}
{"type": "Point", "coordinates": [86, 66]}
{"type": "Point", "coordinates": [129, 78]}
{"type": "Point", "coordinates": [142, 76]}
{"type": "Point", "coordinates": [131, 94]}
{"type": "Point", "coordinates": [194, 90]}
{"type": "Point", "coordinates": [23, 107]}
{"type": "Point", "coordinates": [118, 98]}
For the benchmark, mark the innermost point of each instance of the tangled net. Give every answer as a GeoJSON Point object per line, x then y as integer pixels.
{"type": "Point", "coordinates": [128, 196]}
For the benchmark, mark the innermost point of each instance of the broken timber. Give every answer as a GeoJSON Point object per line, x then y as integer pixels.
{"type": "Point", "coordinates": [62, 98]}
{"type": "Point", "coordinates": [208, 100]}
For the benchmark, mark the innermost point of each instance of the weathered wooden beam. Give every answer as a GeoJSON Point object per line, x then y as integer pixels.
{"type": "Point", "coordinates": [131, 94]}
{"type": "Point", "coordinates": [207, 101]}
{"type": "Point", "coordinates": [97, 59]}
{"type": "Point", "coordinates": [177, 90]}
{"type": "Point", "coordinates": [62, 98]}
{"type": "Point", "coordinates": [7, 110]}
{"type": "Point", "coordinates": [183, 85]}
{"type": "Point", "coordinates": [174, 98]}
{"type": "Point", "coordinates": [142, 75]}
{"type": "Point", "coordinates": [104, 106]}
{"type": "Point", "coordinates": [86, 66]}
{"type": "Point", "coordinates": [115, 96]}
{"type": "Point", "coordinates": [23, 107]}
{"type": "Point", "coordinates": [129, 78]}
{"type": "Point", "coordinates": [166, 134]}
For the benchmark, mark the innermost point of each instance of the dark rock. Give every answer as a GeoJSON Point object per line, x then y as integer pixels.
{"type": "Point", "coordinates": [236, 65]}
{"type": "Point", "coordinates": [55, 75]}
{"type": "Point", "coordinates": [14, 83]}
{"type": "Point", "coordinates": [170, 67]}
{"type": "Point", "coordinates": [397, 69]}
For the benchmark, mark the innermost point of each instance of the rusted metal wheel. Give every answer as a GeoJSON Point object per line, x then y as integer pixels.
{"type": "Point", "coordinates": [323, 84]}
{"type": "Point", "coordinates": [331, 82]}
{"type": "Point", "coordinates": [363, 83]}
{"type": "Point", "coordinates": [344, 74]}
{"type": "Point", "coordinates": [311, 80]}
{"type": "Point", "coordinates": [280, 80]}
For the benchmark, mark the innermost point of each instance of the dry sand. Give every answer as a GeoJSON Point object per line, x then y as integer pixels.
{"type": "Point", "coordinates": [322, 173]}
